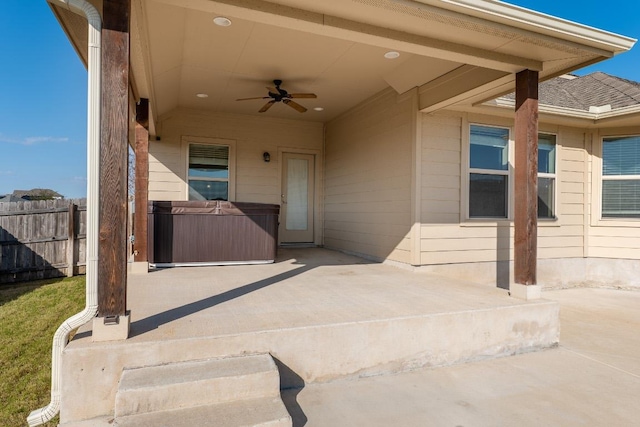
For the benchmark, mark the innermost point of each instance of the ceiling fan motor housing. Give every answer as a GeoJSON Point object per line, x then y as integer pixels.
{"type": "Point", "coordinates": [277, 94]}
{"type": "Point", "coordinates": [281, 92]}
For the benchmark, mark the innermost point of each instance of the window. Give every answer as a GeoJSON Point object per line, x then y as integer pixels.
{"type": "Point", "coordinates": [208, 172]}
{"type": "Point", "coordinates": [546, 175]}
{"type": "Point", "coordinates": [488, 172]}
{"type": "Point", "coordinates": [621, 177]}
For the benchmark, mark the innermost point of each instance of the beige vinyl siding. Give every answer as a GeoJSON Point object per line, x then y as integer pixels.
{"type": "Point", "coordinates": [255, 180]}
{"type": "Point", "coordinates": [609, 238]}
{"type": "Point", "coordinates": [614, 242]}
{"type": "Point", "coordinates": [567, 239]}
{"type": "Point", "coordinates": [166, 171]}
{"type": "Point", "coordinates": [368, 179]}
{"type": "Point", "coordinates": [441, 144]}
{"type": "Point", "coordinates": [446, 238]}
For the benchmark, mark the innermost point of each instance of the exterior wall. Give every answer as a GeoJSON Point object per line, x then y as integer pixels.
{"type": "Point", "coordinates": [482, 250]}
{"type": "Point", "coordinates": [447, 237]}
{"type": "Point", "coordinates": [255, 180]}
{"type": "Point", "coordinates": [609, 238]}
{"type": "Point", "coordinates": [368, 178]}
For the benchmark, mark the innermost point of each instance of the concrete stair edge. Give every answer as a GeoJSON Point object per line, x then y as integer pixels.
{"type": "Point", "coordinates": [196, 383]}
{"type": "Point", "coordinates": [262, 412]}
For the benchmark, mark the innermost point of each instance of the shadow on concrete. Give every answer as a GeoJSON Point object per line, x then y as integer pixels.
{"type": "Point", "coordinates": [306, 262]}
{"type": "Point", "coordinates": [153, 322]}
{"type": "Point", "coordinates": [503, 252]}
{"type": "Point", "coordinates": [290, 394]}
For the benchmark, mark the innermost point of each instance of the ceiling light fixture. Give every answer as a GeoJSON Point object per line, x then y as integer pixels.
{"type": "Point", "coordinates": [318, 108]}
{"type": "Point", "coordinates": [222, 21]}
{"type": "Point", "coordinates": [392, 54]}
{"type": "Point", "coordinates": [202, 95]}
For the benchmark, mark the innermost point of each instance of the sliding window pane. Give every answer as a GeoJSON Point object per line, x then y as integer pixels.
{"type": "Point", "coordinates": [621, 156]}
{"type": "Point", "coordinates": [489, 148]}
{"type": "Point", "coordinates": [208, 190]}
{"type": "Point", "coordinates": [546, 196]}
{"type": "Point", "coordinates": [621, 198]}
{"type": "Point", "coordinates": [546, 153]}
{"type": "Point", "coordinates": [487, 196]}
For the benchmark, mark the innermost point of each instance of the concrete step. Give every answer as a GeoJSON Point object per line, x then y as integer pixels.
{"type": "Point", "coordinates": [93, 422]}
{"type": "Point", "coordinates": [196, 383]}
{"type": "Point", "coordinates": [263, 412]}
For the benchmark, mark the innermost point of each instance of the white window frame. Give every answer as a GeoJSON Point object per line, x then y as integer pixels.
{"type": "Point", "coordinates": [464, 210]}
{"type": "Point", "coordinates": [465, 219]}
{"type": "Point", "coordinates": [554, 176]}
{"type": "Point", "coordinates": [188, 141]}
{"type": "Point", "coordinates": [598, 177]}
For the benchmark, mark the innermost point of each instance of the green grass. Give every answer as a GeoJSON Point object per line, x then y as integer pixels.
{"type": "Point", "coordinates": [30, 313]}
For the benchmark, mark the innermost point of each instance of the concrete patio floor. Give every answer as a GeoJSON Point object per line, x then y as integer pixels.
{"type": "Point", "coordinates": [304, 287]}
{"type": "Point", "coordinates": [591, 379]}
{"type": "Point", "coordinates": [321, 314]}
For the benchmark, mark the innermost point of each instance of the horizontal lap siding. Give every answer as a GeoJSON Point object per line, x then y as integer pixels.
{"type": "Point", "coordinates": [166, 171]}
{"type": "Point", "coordinates": [368, 179]}
{"type": "Point", "coordinates": [441, 145]}
{"type": "Point", "coordinates": [256, 180]}
{"type": "Point", "coordinates": [567, 240]}
{"type": "Point", "coordinates": [444, 240]}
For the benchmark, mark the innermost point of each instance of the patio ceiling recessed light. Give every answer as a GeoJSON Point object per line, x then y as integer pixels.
{"type": "Point", "coordinates": [202, 95]}
{"type": "Point", "coordinates": [392, 54]}
{"type": "Point", "coordinates": [222, 21]}
{"type": "Point", "coordinates": [318, 108]}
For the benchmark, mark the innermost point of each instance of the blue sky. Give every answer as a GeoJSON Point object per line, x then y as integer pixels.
{"type": "Point", "coordinates": [43, 88]}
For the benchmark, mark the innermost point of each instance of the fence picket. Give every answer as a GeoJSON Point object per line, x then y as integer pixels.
{"type": "Point", "coordinates": [42, 239]}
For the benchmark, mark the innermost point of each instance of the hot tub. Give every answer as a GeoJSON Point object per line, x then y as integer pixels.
{"type": "Point", "coordinates": [211, 233]}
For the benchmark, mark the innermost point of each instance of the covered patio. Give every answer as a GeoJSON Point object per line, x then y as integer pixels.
{"type": "Point", "coordinates": [321, 314]}
{"type": "Point", "coordinates": [165, 77]}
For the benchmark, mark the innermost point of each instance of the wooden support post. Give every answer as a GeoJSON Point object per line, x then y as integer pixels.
{"type": "Point", "coordinates": [112, 250]}
{"type": "Point", "coordinates": [526, 178]}
{"type": "Point", "coordinates": [71, 240]}
{"type": "Point", "coordinates": [142, 181]}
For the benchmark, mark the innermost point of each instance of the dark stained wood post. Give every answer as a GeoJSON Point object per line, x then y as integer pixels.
{"type": "Point", "coordinates": [142, 181]}
{"type": "Point", "coordinates": [526, 178]}
{"type": "Point", "coordinates": [112, 250]}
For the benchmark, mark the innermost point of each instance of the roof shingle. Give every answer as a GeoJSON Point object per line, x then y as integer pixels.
{"type": "Point", "coordinates": [593, 90]}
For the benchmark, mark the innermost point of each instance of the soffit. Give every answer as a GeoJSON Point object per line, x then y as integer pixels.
{"type": "Point", "coordinates": [188, 55]}
{"type": "Point", "coordinates": [333, 48]}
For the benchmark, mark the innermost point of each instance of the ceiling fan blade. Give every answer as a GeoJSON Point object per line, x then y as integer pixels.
{"type": "Point", "coordinates": [272, 89]}
{"type": "Point", "coordinates": [249, 99]}
{"type": "Point", "coordinates": [303, 95]}
{"type": "Point", "coordinates": [294, 105]}
{"type": "Point", "coordinates": [266, 106]}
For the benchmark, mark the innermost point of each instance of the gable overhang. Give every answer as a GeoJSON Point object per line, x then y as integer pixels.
{"type": "Point", "coordinates": [457, 53]}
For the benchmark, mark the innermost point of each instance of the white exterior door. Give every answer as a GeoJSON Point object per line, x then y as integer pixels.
{"type": "Point", "coordinates": [296, 222]}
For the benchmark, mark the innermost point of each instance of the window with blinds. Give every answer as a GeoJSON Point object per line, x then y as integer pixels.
{"type": "Point", "coordinates": [621, 177]}
{"type": "Point", "coordinates": [208, 174]}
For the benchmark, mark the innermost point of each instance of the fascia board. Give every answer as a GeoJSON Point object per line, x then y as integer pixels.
{"type": "Point", "coordinates": [523, 18]}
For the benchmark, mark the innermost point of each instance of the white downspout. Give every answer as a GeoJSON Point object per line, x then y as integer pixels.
{"type": "Point", "coordinates": [61, 337]}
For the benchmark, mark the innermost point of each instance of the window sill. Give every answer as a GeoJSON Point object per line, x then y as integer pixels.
{"type": "Point", "coordinates": [616, 222]}
{"type": "Point", "coordinates": [487, 222]}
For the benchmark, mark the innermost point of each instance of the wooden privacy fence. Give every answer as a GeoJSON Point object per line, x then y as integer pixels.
{"type": "Point", "coordinates": [42, 239]}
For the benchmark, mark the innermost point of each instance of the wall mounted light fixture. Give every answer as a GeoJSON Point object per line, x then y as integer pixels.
{"type": "Point", "coordinates": [266, 156]}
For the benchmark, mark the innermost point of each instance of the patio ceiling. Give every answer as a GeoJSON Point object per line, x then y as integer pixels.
{"type": "Point", "coordinates": [189, 55]}
{"type": "Point", "coordinates": [454, 51]}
